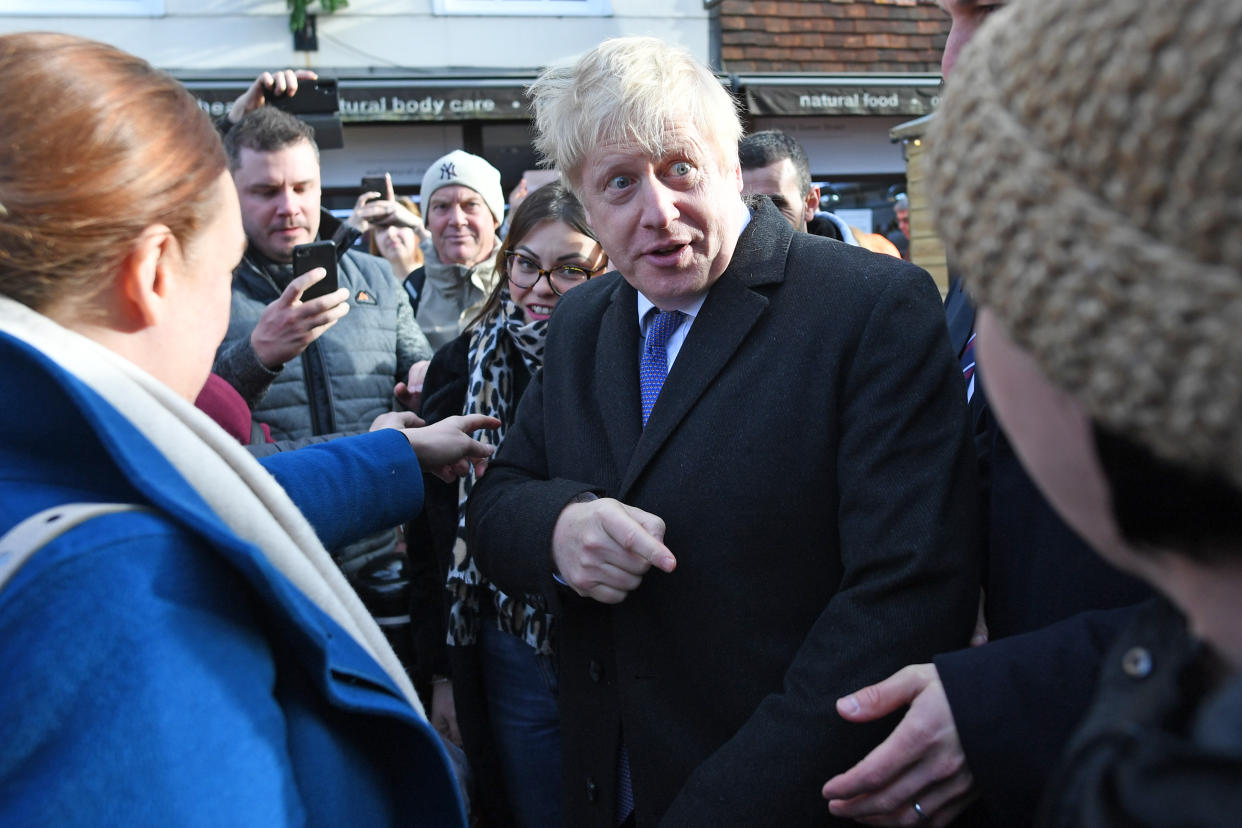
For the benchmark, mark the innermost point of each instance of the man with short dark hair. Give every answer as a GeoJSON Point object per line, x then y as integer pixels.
{"type": "Point", "coordinates": [327, 365]}
{"type": "Point", "coordinates": [775, 165]}
{"type": "Point", "coordinates": [275, 352]}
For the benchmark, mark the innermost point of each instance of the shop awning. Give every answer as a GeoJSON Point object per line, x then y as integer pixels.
{"type": "Point", "coordinates": [501, 97]}
{"type": "Point", "coordinates": [838, 94]}
{"type": "Point", "coordinates": [397, 99]}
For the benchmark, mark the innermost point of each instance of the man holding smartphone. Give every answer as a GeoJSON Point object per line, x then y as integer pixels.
{"type": "Point", "coordinates": [303, 368]}
{"type": "Point", "coordinates": [317, 366]}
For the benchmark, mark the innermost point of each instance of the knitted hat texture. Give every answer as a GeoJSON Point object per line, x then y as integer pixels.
{"type": "Point", "coordinates": [467, 170]}
{"type": "Point", "coordinates": [1086, 170]}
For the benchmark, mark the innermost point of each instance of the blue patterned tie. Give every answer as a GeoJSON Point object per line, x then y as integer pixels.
{"type": "Point", "coordinates": [654, 366]}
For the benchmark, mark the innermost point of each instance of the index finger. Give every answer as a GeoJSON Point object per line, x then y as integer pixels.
{"type": "Point", "coordinates": [477, 422]}
{"type": "Point", "coordinates": [262, 82]}
{"type": "Point", "coordinates": [635, 538]}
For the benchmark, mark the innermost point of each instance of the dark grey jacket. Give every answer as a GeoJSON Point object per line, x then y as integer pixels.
{"type": "Point", "coordinates": [344, 379]}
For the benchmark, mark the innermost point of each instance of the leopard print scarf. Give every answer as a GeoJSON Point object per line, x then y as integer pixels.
{"type": "Point", "coordinates": [494, 345]}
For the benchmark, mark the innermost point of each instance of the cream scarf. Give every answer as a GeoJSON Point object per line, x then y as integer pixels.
{"type": "Point", "coordinates": [223, 473]}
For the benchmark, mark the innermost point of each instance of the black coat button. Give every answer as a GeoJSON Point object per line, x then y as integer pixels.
{"type": "Point", "coordinates": [592, 792]}
{"type": "Point", "coordinates": [1137, 662]}
{"type": "Point", "coordinates": [595, 670]}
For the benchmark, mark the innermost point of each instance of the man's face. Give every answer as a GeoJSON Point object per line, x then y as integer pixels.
{"type": "Point", "coordinates": [279, 194]}
{"type": "Point", "coordinates": [779, 182]}
{"type": "Point", "coordinates": [463, 229]}
{"type": "Point", "coordinates": [903, 221]}
{"type": "Point", "coordinates": [967, 16]}
{"type": "Point", "coordinates": [669, 224]}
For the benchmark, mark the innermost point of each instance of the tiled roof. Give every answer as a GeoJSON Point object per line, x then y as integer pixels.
{"type": "Point", "coordinates": [831, 35]}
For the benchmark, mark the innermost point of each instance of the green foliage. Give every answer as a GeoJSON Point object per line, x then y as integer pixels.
{"type": "Point", "coordinates": [297, 10]}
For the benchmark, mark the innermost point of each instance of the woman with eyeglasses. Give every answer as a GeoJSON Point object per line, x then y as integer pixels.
{"type": "Point", "coordinates": [500, 703]}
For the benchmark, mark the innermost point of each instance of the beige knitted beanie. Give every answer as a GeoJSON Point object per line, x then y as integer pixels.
{"type": "Point", "coordinates": [1086, 172]}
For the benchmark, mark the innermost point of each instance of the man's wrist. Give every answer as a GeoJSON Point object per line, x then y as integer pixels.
{"type": "Point", "coordinates": [581, 497]}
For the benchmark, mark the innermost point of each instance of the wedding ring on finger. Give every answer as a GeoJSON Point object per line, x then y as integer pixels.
{"type": "Point", "coordinates": [918, 809]}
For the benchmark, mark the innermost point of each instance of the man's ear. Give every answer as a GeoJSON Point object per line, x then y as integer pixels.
{"type": "Point", "coordinates": [812, 204]}
{"type": "Point", "coordinates": [145, 277]}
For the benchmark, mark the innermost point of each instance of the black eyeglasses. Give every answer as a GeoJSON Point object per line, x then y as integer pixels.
{"type": "Point", "coordinates": [525, 272]}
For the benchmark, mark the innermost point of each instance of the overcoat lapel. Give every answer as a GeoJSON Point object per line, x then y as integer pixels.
{"type": "Point", "coordinates": [731, 310]}
{"type": "Point", "coordinates": [616, 375]}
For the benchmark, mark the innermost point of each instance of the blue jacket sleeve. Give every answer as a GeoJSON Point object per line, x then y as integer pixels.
{"type": "Point", "coordinates": [352, 486]}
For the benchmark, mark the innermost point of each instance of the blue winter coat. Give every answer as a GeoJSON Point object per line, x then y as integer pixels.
{"type": "Point", "coordinates": [155, 669]}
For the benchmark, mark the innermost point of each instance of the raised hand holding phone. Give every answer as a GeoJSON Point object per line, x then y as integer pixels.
{"type": "Point", "coordinates": [309, 305]}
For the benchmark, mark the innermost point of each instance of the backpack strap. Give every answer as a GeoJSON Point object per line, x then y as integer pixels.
{"type": "Point", "coordinates": [21, 542]}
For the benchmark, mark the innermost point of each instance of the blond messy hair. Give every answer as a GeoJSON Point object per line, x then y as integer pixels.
{"type": "Point", "coordinates": [629, 89]}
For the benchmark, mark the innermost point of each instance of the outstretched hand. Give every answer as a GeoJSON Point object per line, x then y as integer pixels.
{"type": "Point", "coordinates": [266, 86]}
{"type": "Point", "coordinates": [603, 548]}
{"type": "Point", "coordinates": [446, 449]}
{"type": "Point", "coordinates": [921, 760]}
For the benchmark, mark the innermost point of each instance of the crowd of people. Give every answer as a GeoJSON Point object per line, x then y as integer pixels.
{"type": "Point", "coordinates": [661, 498]}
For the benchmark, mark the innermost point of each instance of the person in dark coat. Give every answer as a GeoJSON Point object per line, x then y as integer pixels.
{"type": "Point", "coordinates": [1111, 350]}
{"type": "Point", "coordinates": [743, 478]}
{"type": "Point", "coordinates": [1048, 612]}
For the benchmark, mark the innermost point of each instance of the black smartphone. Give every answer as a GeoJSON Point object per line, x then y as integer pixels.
{"type": "Point", "coordinates": [313, 97]}
{"type": "Point", "coordinates": [310, 256]}
{"type": "Point", "coordinates": [375, 184]}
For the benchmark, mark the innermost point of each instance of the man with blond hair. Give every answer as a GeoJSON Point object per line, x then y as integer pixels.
{"type": "Point", "coordinates": [742, 480]}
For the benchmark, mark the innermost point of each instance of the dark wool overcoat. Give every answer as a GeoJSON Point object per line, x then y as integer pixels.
{"type": "Point", "coordinates": [810, 456]}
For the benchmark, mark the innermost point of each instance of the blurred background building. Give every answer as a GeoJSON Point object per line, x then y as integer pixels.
{"type": "Point", "coordinates": [418, 78]}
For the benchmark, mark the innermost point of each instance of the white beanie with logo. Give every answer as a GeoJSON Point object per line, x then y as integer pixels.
{"type": "Point", "coordinates": [462, 168]}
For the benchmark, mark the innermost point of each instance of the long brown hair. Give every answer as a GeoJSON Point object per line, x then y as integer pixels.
{"type": "Point", "coordinates": [97, 146]}
{"type": "Point", "coordinates": [551, 202]}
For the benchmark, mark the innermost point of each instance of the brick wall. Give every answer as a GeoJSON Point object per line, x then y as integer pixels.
{"type": "Point", "coordinates": [831, 35]}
